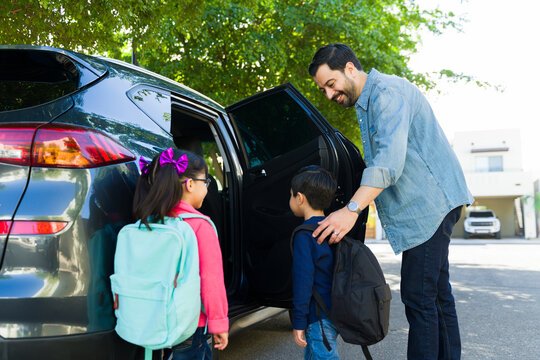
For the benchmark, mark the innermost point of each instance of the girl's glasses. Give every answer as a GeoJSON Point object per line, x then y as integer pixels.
{"type": "Point", "coordinates": [206, 181]}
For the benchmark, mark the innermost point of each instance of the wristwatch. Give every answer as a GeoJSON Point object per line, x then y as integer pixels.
{"type": "Point", "coordinates": [353, 206]}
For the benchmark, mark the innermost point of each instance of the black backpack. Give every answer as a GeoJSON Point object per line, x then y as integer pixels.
{"type": "Point", "coordinates": [360, 295]}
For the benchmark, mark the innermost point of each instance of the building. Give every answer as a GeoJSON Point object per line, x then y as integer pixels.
{"type": "Point", "coordinates": [537, 205]}
{"type": "Point", "coordinates": [492, 163]}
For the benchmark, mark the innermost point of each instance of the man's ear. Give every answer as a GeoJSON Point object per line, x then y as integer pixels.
{"type": "Point", "coordinates": [349, 68]}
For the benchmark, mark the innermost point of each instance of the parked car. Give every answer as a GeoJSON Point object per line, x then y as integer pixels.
{"type": "Point", "coordinates": [482, 222]}
{"type": "Point", "coordinates": [72, 128]}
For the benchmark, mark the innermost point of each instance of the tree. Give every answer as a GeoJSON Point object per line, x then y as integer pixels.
{"type": "Point", "coordinates": [229, 50]}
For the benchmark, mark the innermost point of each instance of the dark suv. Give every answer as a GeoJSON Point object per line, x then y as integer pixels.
{"type": "Point", "coordinates": [72, 128]}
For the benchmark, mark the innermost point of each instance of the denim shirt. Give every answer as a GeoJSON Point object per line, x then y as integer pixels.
{"type": "Point", "coordinates": [407, 155]}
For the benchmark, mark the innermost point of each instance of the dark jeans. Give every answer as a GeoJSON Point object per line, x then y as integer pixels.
{"type": "Point", "coordinates": [194, 348]}
{"type": "Point", "coordinates": [427, 295]}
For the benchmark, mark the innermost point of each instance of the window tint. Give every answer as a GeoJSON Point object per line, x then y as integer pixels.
{"type": "Point", "coordinates": [29, 78]}
{"type": "Point", "coordinates": [481, 214]}
{"type": "Point", "coordinates": [272, 126]}
{"type": "Point", "coordinates": [156, 103]}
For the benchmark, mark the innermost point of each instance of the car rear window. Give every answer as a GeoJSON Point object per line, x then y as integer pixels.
{"type": "Point", "coordinates": [481, 214]}
{"type": "Point", "coordinates": [31, 77]}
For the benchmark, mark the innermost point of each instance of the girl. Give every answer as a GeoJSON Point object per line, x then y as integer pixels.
{"type": "Point", "coordinates": [175, 182]}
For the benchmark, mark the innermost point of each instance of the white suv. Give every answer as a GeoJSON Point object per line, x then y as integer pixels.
{"type": "Point", "coordinates": [482, 222]}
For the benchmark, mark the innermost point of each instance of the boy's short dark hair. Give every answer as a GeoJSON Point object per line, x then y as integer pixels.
{"type": "Point", "coordinates": [317, 184]}
{"type": "Point", "coordinates": [336, 56]}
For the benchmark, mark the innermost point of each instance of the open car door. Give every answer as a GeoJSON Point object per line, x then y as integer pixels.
{"type": "Point", "coordinates": [281, 132]}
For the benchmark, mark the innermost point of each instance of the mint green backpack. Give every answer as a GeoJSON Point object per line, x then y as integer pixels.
{"type": "Point", "coordinates": [156, 283]}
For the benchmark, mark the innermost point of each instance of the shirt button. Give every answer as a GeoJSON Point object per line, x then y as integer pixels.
{"type": "Point", "coordinates": [384, 225]}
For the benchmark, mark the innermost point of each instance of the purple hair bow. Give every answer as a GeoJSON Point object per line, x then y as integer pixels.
{"type": "Point", "coordinates": [143, 165]}
{"type": "Point", "coordinates": [166, 157]}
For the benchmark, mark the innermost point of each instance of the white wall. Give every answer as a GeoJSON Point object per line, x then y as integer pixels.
{"type": "Point", "coordinates": [500, 183]}
{"type": "Point", "coordinates": [465, 142]}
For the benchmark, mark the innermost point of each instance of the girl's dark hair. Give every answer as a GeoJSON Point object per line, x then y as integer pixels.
{"type": "Point", "coordinates": [317, 184]}
{"type": "Point", "coordinates": [336, 56]}
{"type": "Point", "coordinates": [160, 188]}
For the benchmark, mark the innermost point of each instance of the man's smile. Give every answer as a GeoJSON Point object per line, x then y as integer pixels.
{"type": "Point", "coordinates": [338, 98]}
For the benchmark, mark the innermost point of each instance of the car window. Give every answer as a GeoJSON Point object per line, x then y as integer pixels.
{"type": "Point", "coordinates": [273, 126]}
{"type": "Point", "coordinates": [154, 102]}
{"type": "Point", "coordinates": [30, 77]}
{"type": "Point", "coordinates": [481, 214]}
{"type": "Point", "coordinates": [214, 160]}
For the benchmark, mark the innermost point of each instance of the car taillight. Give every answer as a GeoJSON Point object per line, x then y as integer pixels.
{"type": "Point", "coordinates": [24, 227]}
{"type": "Point", "coordinates": [62, 145]}
{"type": "Point", "coordinates": [15, 143]}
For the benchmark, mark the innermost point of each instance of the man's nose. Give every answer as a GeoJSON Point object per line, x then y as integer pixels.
{"type": "Point", "coordinates": [330, 94]}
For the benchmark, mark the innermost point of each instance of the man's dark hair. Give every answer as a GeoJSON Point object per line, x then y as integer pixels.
{"type": "Point", "coordinates": [317, 184]}
{"type": "Point", "coordinates": [336, 56]}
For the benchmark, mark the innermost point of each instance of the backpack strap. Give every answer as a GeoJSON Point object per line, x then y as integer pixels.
{"type": "Point", "coordinates": [183, 216]}
{"type": "Point", "coordinates": [365, 350]}
{"type": "Point", "coordinates": [303, 227]}
{"type": "Point", "coordinates": [320, 305]}
{"type": "Point", "coordinates": [147, 354]}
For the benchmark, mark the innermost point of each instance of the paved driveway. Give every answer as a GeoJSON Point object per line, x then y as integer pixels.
{"type": "Point", "coordinates": [497, 288]}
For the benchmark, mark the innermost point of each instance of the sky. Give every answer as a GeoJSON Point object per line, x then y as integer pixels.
{"type": "Point", "coordinates": [500, 44]}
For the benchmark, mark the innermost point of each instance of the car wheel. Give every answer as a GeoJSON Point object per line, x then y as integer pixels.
{"type": "Point", "coordinates": [498, 235]}
{"type": "Point", "coordinates": [466, 235]}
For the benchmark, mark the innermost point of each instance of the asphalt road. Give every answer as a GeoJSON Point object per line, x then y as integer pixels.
{"type": "Point", "coordinates": [497, 289]}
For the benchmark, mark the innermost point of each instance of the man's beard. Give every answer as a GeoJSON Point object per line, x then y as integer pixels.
{"type": "Point", "coordinates": [348, 94]}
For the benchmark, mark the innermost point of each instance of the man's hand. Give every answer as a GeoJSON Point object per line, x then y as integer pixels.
{"type": "Point", "coordinates": [299, 339]}
{"type": "Point", "coordinates": [335, 226]}
{"type": "Point", "coordinates": [221, 340]}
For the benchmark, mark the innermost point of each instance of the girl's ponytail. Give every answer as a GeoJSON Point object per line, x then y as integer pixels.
{"type": "Point", "coordinates": [159, 187]}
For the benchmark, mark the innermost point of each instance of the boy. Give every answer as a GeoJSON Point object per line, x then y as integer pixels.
{"type": "Point", "coordinates": [312, 191]}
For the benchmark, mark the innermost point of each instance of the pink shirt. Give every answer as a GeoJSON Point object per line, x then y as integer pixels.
{"type": "Point", "coordinates": [213, 294]}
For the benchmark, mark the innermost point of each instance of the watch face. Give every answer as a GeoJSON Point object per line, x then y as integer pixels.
{"type": "Point", "coordinates": [353, 206]}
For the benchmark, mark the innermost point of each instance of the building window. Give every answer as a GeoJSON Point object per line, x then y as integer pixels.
{"type": "Point", "coordinates": [489, 163]}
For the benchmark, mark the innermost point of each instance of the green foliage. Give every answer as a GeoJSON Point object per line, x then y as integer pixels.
{"type": "Point", "coordinates": [455, 77]}
{"type": "Point", "coordinates": [229, 50]}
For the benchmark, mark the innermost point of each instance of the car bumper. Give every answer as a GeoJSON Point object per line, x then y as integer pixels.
{"type": "Point", "coordinates": [101, 345]}
{"type": "Point", "coordinates": [482, 230]}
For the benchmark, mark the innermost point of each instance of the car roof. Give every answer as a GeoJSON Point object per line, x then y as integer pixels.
{"type": "Point", "coordinates": [167, 83]}
{"type": "Point", "coordinates": [99, 64]}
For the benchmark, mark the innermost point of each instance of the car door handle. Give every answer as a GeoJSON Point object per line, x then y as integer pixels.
{"type": "Point", "coordinates": [258, 174]}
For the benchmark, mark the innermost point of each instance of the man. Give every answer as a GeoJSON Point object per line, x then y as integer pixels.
{"type": "Point", "coordinates": [418, 186]}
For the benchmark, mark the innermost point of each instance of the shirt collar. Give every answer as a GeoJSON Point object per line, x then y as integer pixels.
{"type": "Point", "coordinates": [182, 207]}
{"type": "Point", "coordinates": [314, 220]}
{"type": "Point", "coordinates": [366, 90]}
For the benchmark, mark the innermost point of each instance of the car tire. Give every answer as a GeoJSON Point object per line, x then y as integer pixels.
{"type": "Point", "coordinates": [466, 235]}
{"type": "Point", "coordinates": [498, 235]}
